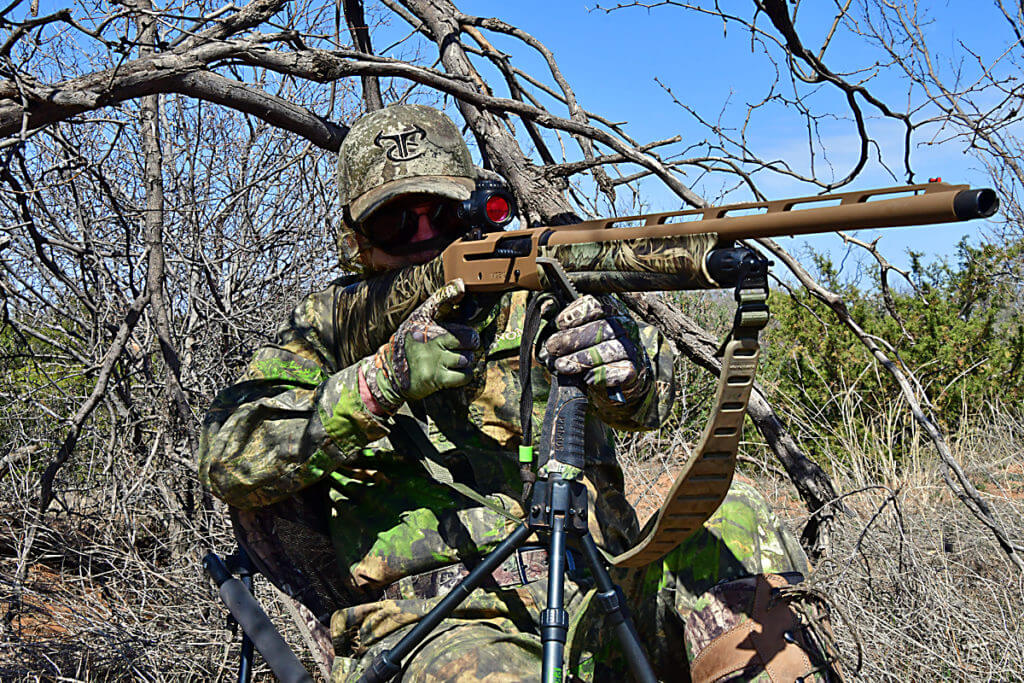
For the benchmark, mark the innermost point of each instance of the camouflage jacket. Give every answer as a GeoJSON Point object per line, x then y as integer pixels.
{"type": "Point", "coordinates": [295, 418]}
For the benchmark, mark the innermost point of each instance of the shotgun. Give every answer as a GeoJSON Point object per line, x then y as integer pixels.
{"type": "Point", "coordinates": [677, 250]}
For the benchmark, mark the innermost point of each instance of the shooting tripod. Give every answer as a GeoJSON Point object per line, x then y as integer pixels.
{"type": "Point", "coordinates": [558, 507]}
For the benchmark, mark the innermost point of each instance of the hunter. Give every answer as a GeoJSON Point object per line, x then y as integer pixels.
{"type": "Point", "coordinates": [306, 418]}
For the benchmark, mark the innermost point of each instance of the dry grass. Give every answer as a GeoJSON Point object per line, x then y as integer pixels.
{"type": "Point", "coordinates": [112, 588]}
{"type": "Point", "coordinates": [915, 579]}
{"type": "Point", "coordinates": [929, 590]}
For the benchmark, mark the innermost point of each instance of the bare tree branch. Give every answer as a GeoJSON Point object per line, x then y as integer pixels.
{"type": "Point", "coordinates": [356, 20]}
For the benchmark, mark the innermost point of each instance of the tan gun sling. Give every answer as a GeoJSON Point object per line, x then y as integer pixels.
{"type": "Point", "coordinates": [701, 485]}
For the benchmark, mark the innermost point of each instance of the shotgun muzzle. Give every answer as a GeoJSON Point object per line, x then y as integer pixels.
{"type": "Point", "coordinates": [970, 204]}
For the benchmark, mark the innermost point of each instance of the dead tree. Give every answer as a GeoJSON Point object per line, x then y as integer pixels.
{"type": "Point", "coordinates": [273, 66]}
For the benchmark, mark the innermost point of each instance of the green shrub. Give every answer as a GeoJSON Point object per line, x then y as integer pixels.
{"type": "Point", "coordinates": [959, 330]}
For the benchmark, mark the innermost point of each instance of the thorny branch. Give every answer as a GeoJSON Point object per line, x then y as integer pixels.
{"type": "Point", "coordinates": [883, 278]}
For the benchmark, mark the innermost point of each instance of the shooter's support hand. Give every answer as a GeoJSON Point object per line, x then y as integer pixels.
{"type": "Point", "coordinates": [604, 346]}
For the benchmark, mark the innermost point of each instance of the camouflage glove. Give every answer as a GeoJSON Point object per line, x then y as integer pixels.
{"type": "Point", "coordinates": [604, 343]}
{"type": "Point", "coordinates": [423, 355]}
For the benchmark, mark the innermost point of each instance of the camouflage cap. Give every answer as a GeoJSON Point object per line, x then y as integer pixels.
{"type": "Point", "coordinates": [400, 150]}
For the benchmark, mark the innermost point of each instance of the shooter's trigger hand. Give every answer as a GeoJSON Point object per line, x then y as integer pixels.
{"type": "Point", "coordinates": [601, 343]}
{"type": "Point", "coordinates": [425, 354]}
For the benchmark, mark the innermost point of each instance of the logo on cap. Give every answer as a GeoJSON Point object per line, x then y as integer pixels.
{"type": "Point", "coordinates": [403, 145]}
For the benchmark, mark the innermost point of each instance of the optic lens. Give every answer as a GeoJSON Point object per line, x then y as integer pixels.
{"type": "Point", "coordinates": [497, 209]}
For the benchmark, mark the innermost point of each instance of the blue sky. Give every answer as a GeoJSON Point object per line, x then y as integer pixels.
{"type": "Point", "coordinates": [613, 59]}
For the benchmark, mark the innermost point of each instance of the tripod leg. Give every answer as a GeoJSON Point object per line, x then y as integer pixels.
{"type": "Point", "coordinates": [245, 662]}
{"type": "Point", "coordinates": [554, 620]}
{"type": "Point", "coordinates": [389, 662]}
{"type": "Point", "coordinates": [617, 613]}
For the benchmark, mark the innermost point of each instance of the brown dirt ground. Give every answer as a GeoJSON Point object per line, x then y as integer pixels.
{"type": "Point", "coordinates": [49, 607]}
